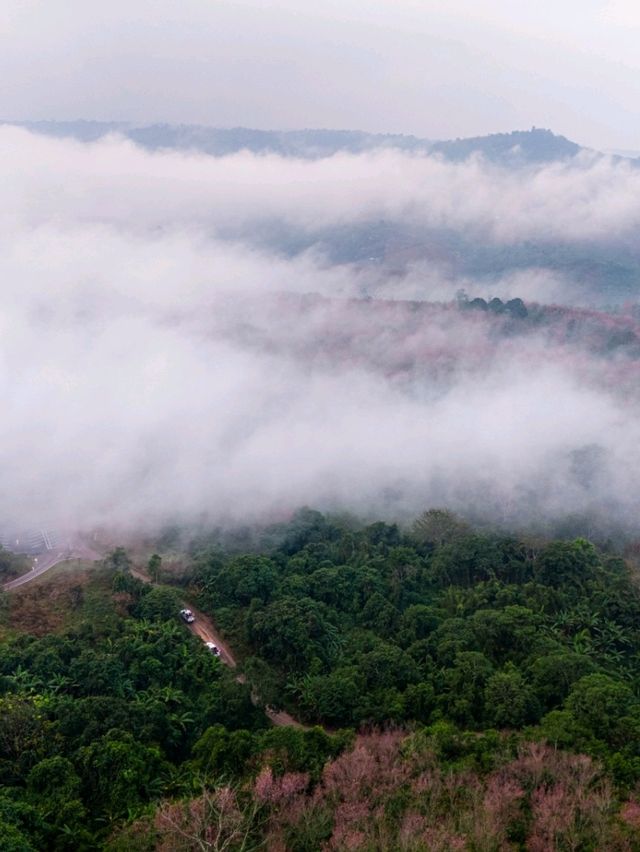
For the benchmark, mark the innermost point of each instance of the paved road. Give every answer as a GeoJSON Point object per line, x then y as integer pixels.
{"type": "Point", "coordinates": [45, 561]}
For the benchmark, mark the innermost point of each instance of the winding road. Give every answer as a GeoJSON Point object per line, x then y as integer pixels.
{"type": "Point", "coordinates": [45, 561]}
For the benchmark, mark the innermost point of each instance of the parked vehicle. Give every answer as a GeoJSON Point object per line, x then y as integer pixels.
{"type": "Point", "coordinates": [187, 616]}
{"type": "Point", "coordinates": [213, 648]}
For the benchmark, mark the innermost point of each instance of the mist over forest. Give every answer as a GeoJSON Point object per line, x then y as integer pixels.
{"type": "Point", "coordinates": [193, 336]}
{"type": "Point", "coordinates": [320, 426]}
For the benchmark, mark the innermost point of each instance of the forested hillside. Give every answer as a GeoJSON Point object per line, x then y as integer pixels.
{"type": "Point", "coordinates": [358, 626]}
{"type": "Point", "coordinates": [320, 448]}
{"type": "Point", "coordinates": [455, 687]}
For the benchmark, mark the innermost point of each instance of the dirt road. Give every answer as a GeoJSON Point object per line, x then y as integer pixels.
{"type": "Point", "coordinates": [204, 628]}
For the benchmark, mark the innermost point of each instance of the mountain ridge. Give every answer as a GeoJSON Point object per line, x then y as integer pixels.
{"type": "Point", "coordinates": [516, 147]}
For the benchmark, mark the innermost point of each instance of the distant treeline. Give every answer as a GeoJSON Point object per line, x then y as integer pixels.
{"type": "Point", "coordinates": [515, 307]}
{"type": "Point", "coordinates": [518, 147]}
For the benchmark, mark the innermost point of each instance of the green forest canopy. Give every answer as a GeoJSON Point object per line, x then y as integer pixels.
{"type": "Point", "coordinates": [474, 643]}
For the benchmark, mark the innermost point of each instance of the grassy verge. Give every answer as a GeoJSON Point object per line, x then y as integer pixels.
{"type": "Point", "coordinates": [69, 593]}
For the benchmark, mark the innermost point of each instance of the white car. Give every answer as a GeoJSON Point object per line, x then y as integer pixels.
{"type": "Point", "coordinates": [213, 648]}
{"type": "Point", "coordinates": [187, 615]}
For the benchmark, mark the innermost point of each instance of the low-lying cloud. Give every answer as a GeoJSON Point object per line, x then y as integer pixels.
{"type": "Point", "coordinates": [159, 359]}
{"type": "Point", "coordinates": [113, 181]}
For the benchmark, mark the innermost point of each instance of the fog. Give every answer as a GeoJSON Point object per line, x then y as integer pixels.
{"type": "Point", "coordinates": [68, 183]}
{"type": "Point", "coordinates": [159, 358]}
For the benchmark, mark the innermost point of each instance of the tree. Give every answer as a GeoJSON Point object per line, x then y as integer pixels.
{"type": "Point", "coordinates": [380, 533]}
{"type": "Point", "coordinates": [508, 633]}
{"type": "Point", "coordinates": [99, 673]}
{"type": "Point", "coordinates": [242, 580]}
{"type": "Point", "coordinates": [158, 604]}
{"type": "Point", "coordinates": [292, 632]}
{"type": "Point", "coordinates": [14, 840]}
{"type": "Point", "coordinates": [508, 699]}
{"type": "Point", "coordinates": [22, 729]}
{"type": "Point", "coordinates": [601, 704]}
{"type": "Point", "coordinates": [553, 675]}
{"type": "Point", "coordinates": [386, 665]}
{"type": "Point", "coordinates": [566, 562]}
{"type": "Point", "coordinates": [417, 622]}
{"type": "Point", "coordinates": [517, 308]}
{"type": "Point", "coordinates": [153, 567]}
{"type": "Point", "coordinates": [118, 560]}
{"type": "Point", "coordinates": [288, 749]}
{"type": "Point", "coordinates": [54, 788]}
{"type": "Point", "coordinates": [218, 820]}
{"type": "Point", "coordinates": [449, 638]}
{"type": "Point", "coordinates": [223, 753]}
{"type": "Point", "coordinates": [462, 697]}
{"type": "Point", "coordinates": [22, 829]}
{"type": "Point", "coordinates": [438, 527]}
{"type": "Point", "coordinates": [379, 615]}
{"type": "Point", "coordinates": [420, 701]}
{"type": "Point", "coordinates": [334, 698]}
{"type": "Point", "coordinates": [119, 773]}
{"type": "Point", "coordinates": [467, 560]}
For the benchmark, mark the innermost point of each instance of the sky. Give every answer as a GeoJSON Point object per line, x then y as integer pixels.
{"type": "Point", "coordinates": [423, 67]}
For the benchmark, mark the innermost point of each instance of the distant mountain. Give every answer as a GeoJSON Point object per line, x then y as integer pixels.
{"type": "Point", "coordinates": [310, 144]}
{"type": "Point", "coordinates": [530, 146]}
{"type": "Point", "coordinates": [598, 273]}
{"type": "Point", "coordinates": [516, 148]}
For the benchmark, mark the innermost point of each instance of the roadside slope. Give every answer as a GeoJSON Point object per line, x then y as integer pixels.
{"type": "Point", "coordinates": [43, 563]}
